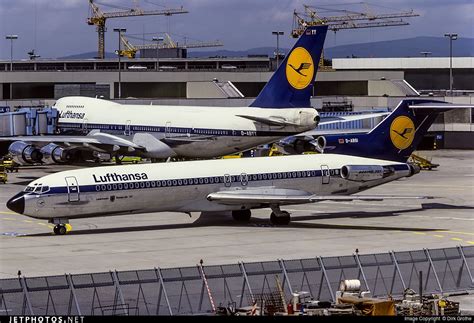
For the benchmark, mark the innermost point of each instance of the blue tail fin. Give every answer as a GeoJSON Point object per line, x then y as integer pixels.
{"type": "Point", "coordinates": [396, 137]}
{"type": "Point", "coordinates": [292, 83]}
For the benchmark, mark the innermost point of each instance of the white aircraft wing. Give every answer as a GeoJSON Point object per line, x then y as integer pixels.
{"type": "Point", "coordinates": [286, 196]}
{"type": "Point", "coordinates": [99, 140]}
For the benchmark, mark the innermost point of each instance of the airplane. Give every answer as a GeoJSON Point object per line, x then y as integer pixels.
{"type": "Point", "coordinates": [217, 187]}
{"type": "Point", "coordinates": [394, 138]}
{"type": "Point", "coordinates": [91, 126]}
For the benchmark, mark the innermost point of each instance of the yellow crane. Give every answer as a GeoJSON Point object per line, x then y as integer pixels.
{"type": "Point", "coordinates": [99, 18]}
{"type": "Point", "coordinates": [347, 19]}
{"type": "Point", "coordinates": [130, 50]}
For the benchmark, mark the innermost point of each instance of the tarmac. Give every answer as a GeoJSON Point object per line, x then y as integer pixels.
{"type": "Point", "coordinates": [163, 240]}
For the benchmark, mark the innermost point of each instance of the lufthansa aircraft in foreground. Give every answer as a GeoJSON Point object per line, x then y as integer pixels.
{"type": "Point", "coordinates": [89, 125]}
{"type": "Point", "coordinates": [219, 186]}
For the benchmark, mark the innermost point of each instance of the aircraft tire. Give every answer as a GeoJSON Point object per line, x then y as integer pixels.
{"type": "Point", "coordinates": [280, 220]}
{"type": "Point", "coordinates": [242, 215]}
{"type": "Point", "coordinates": [60, 229]}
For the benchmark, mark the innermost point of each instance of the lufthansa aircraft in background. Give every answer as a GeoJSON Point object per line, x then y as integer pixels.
{"type": "Point", "coordinates": [217, 186]}
{"type": "Point", "coordinates": [395, 138]}
{"type": "Point", "coordinates": [89, 125]}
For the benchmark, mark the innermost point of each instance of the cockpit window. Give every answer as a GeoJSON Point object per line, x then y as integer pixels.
{"type": "Point", "coordinates": [29, 189]}
{"type": "Point", "coordinates": [38, 188]}
{"type": "Point", "coordinates": [45, 189]}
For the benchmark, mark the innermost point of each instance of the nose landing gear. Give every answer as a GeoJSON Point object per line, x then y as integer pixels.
{"type": "Point", "coordinates": [61, 226]}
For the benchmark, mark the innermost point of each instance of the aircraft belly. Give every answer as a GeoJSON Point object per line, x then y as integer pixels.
{"type": "Point", "coordinates": [220, 146]}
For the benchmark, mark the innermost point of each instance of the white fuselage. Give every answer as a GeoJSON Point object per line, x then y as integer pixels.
{"type": "Point", "coordinates": [191, 131]}
{"type": "Point", "coordinates": [184, 186]}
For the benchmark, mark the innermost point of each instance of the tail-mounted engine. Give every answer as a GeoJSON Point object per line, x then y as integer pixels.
{"type": "Point", "coordinates": [362, 173]}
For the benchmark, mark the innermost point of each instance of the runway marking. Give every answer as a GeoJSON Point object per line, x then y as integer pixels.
{"type": "Point", "coordinates": [41, 223]}
{"type": "Point", "coordinates": [456, 239]}
{"type": "Point", "coordinates": [438, 236]}
{"type": "Point", "coordinates": [1, 212]}
{"type": "Point", "coordinates": [50, 226]}
{"type": "Point", "coordinates": [456, 232]}
{"type": "Point", "coordinates": [421, 233]}
{"type": "Point", "coordinates": [470, 242]}
{"type": "Point", "coordinates": [28, 221]}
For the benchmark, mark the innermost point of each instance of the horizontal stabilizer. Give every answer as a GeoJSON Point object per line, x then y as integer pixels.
{"type": "Point", "coordinates": [336, 119]}
{"type": "Point", "coordinates": [269, 121]}
{"type": "Point", "coordinates": [440, 106]}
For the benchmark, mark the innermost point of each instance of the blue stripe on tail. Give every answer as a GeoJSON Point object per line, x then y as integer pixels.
{"type": "Point", "coordinates": [292, 83]}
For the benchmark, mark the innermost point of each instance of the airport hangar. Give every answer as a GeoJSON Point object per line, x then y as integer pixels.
{"type": "Point", "coordinates": [349, 84]}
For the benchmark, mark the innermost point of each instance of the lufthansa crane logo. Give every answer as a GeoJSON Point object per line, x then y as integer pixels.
{"type": "Point", "coordinates": [402, 132]}
{"type": "Point", "coordinates": [300, 68]}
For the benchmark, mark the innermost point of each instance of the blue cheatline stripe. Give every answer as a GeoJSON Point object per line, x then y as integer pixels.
{"type": "Point", "coordinates": [226, 179]}
{"type": "Point", "coordinates": [173, 130]}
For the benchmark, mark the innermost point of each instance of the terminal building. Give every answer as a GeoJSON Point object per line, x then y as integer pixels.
{"type": "Point", "coordinates": [349, 84]}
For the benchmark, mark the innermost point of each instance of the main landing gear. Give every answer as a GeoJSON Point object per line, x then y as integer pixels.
{"type": "Point", "coordinates": [242, 215]}
{"type": "Point", "coordinates": [61, 226]}
{"type": "Point", "coordinates": [278, 217]}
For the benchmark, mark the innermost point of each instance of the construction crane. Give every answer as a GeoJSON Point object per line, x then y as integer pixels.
{"type": "Point", "coordinates": [347, 20]}
{"type": "Point", "coordinates": [130, 50]}
{"type": "Point", "coordinates": [99, 18]}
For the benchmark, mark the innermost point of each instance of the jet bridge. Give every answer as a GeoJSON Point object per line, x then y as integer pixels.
{"type": "Point", "coordinates": [28, 121]}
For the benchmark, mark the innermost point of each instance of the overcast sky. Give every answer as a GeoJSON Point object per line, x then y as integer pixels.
{"type": "Point", "coordinates": [58, 27]}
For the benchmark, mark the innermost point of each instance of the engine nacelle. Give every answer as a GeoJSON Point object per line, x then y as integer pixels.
{"type": "Point", "coordinates": [294, 145]}
{"type": "Point", "coordinates": [319, 144]}
{"type": "Point", "coordinates": [362, 173]}
{"type": "Point", "coordinates": [414, 169]}
{"type": "Point", "coordinates": [23, 153]}
{"type": "Point", "coordinates": [53, 153]}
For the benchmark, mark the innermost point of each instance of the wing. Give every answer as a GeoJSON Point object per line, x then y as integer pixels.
{"type": "Point", "coordinates": [95, 141]}
{"type": "Point", "coordinates": [268, 196]}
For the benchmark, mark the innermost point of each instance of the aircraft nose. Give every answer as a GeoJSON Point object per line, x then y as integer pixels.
{"type": "Point", "coordinates": [17, 203]}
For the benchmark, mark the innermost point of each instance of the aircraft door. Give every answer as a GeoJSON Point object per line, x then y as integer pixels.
{"type": "Point", "coordinates": [72, 189]}
{"type": "Point", "coordinates": [244, 180]}
{"type": "Point", "coordinates": [128, 128]}
{"type": "Point", "coordinates": [84, 126]}
{"type": "Point", "coordinates": [168, 130]}
{"type": "Point", "coordinates": [227, 180]}
{"type": "Point", "coordinates": [325, 174]}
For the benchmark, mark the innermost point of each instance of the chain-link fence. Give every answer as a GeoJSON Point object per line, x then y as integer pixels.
{"type": "Point", "coordinates": [199, 289]}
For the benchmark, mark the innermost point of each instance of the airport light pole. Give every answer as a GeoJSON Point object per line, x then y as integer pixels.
{"type": "Point", "coordinates": [278, 33]}
{"type": "Point", "coordinates": [11, 38]}
{"type": "Point", "coordinates": [158, 40]}
{"type": "Point", "coordinates": [451, 38]}
{"type": "Point", "coordinates": [120, 31]}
